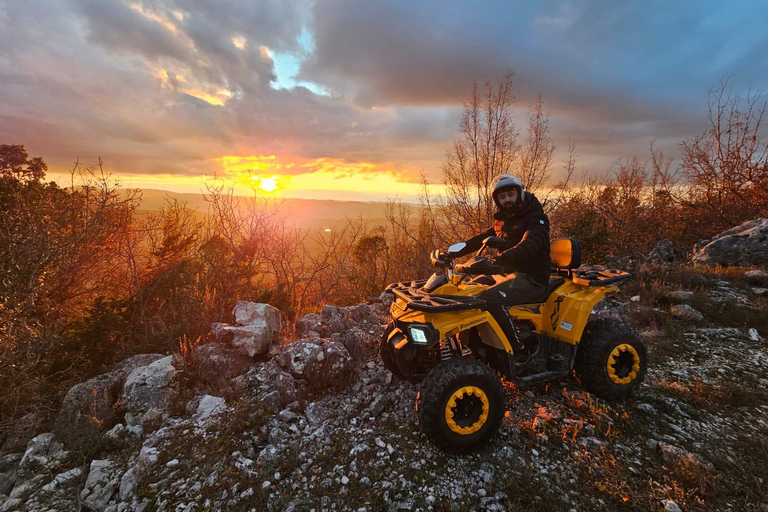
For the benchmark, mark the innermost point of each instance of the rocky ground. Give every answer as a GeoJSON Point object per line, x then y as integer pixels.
{"type": "Point", "coordinates": [319, 424]}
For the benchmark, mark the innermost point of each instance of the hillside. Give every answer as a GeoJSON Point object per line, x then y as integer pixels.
{"type": "Point", "coordinates": [307, 213]}
{"type": "Point", "coordinates": [208, 429]}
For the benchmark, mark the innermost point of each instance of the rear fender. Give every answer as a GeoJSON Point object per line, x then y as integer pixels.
{"type": "Point", "coordinates": [566, 312]}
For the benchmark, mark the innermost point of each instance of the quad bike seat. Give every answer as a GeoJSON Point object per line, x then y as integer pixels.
{"type": "Point", "coordinates": [566, 262]}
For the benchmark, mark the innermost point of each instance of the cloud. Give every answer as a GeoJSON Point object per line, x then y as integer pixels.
{"type": "Point", "coordinates": [170, 86]}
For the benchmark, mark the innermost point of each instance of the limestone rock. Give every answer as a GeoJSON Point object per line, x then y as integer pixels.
{"type": "Point", "coordinates": [9, 465]}
{"type": "Point", "coordinates": [756, 276]}
{"type": "Point", "coordinates": [148, 388]}
{"type": "Point", "coordinates": [252, 313]}
{"type": "Point", "coordinates": [335, 319]}
{"type": "Point", "coordinates": [64, 480]}
{"type": "Point", "coordinates": [746, 244]}
{"type": "Point", "coordinates": [220, 333]}
{"type": "Point", "coordinates": [664, 252]}
{"type": "Point", "coordinates": [686, 312]}
{"type": "Point", "coordinates": [103, 479]}
{"type": "Point", "coordinates": [321, 362]}
{"type": "Point", "coordinates": [285, 384]}
{"type": "Point", "coordinates": [43, 454]}
{"type": "Point", "coordinates": [679, 295]}
{"type": "Point", "coordinates": [307, 323]}
{"type": "Point", "coordinates": [251, 339]}
{"type": "Point", "coordinates": [355, 340]}
{"type": "Point", "coordinates": [90, 407]}
{"type": "Point", "coordinates": [215, 364]}
{"type": "Point", "coordinates": [209, 406]}
{"type": "Point", "coordinates": [364, 314]}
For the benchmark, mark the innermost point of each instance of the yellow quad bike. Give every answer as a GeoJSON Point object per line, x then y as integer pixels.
{"type": "Point", "coordinates": [442, 336]}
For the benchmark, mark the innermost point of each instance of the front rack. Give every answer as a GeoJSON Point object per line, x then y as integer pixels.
{"type": "Point", "coordinates": [420, 300]}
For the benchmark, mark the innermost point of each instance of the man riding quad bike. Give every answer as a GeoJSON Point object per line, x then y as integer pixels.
{"type": "Point", "coordinates": [470, 323]}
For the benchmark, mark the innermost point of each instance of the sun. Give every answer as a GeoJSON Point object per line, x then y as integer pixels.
{"type": "Point", "coordinates": [266, 184]}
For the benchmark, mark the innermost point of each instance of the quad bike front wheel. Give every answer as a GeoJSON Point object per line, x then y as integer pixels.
{"type": "Point", "coordinates": [460, 404]}
{"type": "Point", "coordinates": [611, 360]}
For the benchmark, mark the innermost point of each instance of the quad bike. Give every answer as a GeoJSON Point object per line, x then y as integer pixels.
{"type": "Point", "coordinates": [442, 336]}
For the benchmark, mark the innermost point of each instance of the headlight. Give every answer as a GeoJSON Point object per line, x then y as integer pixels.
{"type": "Point", "coordinates": [419, 335]}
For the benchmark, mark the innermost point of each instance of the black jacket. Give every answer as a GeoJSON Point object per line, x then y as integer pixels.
{"type": "Point", "coordinates": [527, 234]}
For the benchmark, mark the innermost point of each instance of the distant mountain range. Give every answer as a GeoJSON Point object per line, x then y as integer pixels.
{"type": "Point", "coordinates": [309, 213]}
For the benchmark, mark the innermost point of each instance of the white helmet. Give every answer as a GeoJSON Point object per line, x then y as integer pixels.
{"type": "Point", "coordinates": [503, 181]}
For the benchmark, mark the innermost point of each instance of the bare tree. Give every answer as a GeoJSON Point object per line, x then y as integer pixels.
{"type": "Point", "coordinates": [536, 155]}
{"type": "Point", "coordinates": [727, 165]}
{"type": "Point", "coordinates": [487, 147]}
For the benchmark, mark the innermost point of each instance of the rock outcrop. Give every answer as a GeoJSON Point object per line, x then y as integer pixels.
{"type": "Point", "coordinates": [746, 244]}
{"type": "Point", "coordinates": [320, 423]}
{"type": "Point", "coordinates": [256, 328]}
{"type": "Point", "coordinates": [92, 407]}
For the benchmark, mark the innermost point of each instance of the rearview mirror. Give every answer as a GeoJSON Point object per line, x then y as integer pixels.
{"type": "Point", "coordinates": [457, 247]}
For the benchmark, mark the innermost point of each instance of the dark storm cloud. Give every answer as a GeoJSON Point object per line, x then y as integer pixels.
{"type": "Point", "coordinates": [624, 72]}
{"type": "Point", "coordinates": [115, 25]}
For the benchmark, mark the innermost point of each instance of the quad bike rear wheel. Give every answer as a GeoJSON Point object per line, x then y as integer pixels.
{"type": "Point", "coordinates": [611, 360]}
{"type": "Point", "coordinates": [460, 404]}
{"type": "Point", "coordinates": [386, 352]}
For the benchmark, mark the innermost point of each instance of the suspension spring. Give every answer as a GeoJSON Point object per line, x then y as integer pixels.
{"type": "Point", "coordinates": [445, 350]}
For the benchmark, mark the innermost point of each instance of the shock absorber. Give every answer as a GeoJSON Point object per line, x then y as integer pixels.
{"type": "Point", "coordinates": [445, 350]}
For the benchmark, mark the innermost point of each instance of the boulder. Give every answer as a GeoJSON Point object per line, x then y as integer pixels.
{"type": "Point", "coordinates": [746, 244]}
{"type": "Point", "coordinates": [679, 295]}
{"type": "Point", "coordinates": [663, 253]}
{"type": "Point", "coordinates": [103, 479]}
{"type": "Point", "coordinates": [251, 339]}
{"type": "Point", "coordinates": [335, 319]}
{"type": "Point", "coordinates": [285, 385]}
{"type": "Point", "coordinates": [686, 312]}
{"type": "Point", "coordinates": [148, 389]}
{"type": "Point", "coordinates": [220, 333]}
{"type": "Point", "coordinates": [321, 362]}
{"type": "Point", "coordinates": [756, 276]}
{"type": "Point", "coordinates": [310, 322]}
{"type": "Point", "coordinates": [252, 313]}
{"type": "Point", "coordinates": [90, 408]}
{"type": "Point", "coordinates": [9, 465]}
{"type": "Point", "coordinates": [209, 406]}
{"type": "Point", "coordinates": [215, 364]}
{"type": "Point", "coordinates": [355, 340]}
{"type": "Point", "coordinates": [364, 314]}
{"type": "Point", "coordinates": [43, 455]}
{"type": "Point", "coordinates": [64, 480]}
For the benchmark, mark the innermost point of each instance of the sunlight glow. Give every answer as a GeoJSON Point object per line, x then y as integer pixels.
{"type": "Point", "coordinates": [155, 17]}
{"type": "Point", "coordinates": [267, 184]}
{"type": "Point", "coordinates": [219, 97]}
{"type": "Point", "coordinates": [239, 42]}
{"type": "Point", "coordinates": [319, 178]}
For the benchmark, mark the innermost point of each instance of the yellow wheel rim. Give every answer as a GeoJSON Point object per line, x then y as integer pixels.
{"type": "Point", "coordinates": [623, 364]}
{"type": "Point", "coordinates": [467, 410]}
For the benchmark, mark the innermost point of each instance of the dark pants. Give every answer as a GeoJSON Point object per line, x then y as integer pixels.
{"type": "Point", "coordinates": [519, 290]}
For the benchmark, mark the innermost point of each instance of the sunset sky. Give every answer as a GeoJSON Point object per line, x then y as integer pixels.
{"type": "Point", "coordinates": [354, 99]}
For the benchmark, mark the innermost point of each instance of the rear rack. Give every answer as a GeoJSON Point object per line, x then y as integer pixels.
{"type": "Point", "coordinates": [422, 301]}
{"type": "Point", "coordinates": [587, 276]}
